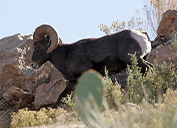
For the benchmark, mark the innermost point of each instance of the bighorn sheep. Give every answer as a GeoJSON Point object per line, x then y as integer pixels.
{"type": "Point", "coordinates": [93, 53]}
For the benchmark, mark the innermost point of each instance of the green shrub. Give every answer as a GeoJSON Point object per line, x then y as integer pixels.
{"type": "Point", "coordinates": [135, 88]}
{"type": "Point", "coordinates": [162, 77]}
{"type": "Point", "coordinates": [113, 92]}
{"type": "Point", "coordinates": [153, 85]}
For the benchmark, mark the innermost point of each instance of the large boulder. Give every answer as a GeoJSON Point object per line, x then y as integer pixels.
{"type": "Point", "coordinates": [163, 53]}
{"type": "Point", "coordinates": [168, 23]}
{"type": "Point", "coordinates": [47, 94]}
{"type": "Point", "coordinates": [15, 70]}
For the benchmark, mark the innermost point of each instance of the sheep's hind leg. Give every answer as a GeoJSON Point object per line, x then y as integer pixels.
{"type": "Point", "coordinates": [141, 63]}
{"type": "Point", "coordinates": [144, 65]}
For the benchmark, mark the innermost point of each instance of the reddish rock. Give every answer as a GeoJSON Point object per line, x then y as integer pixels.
{"type": "Point", "coordinates": [168, 23]}
{"type": "Point", "coordinates": [164, 53]}
{"type": "Point", "coordinates": [17, 97]}
{"type": "Point", "coordinates": [47, 94]}
{"type": "Point", "coordinates": [12, 75]}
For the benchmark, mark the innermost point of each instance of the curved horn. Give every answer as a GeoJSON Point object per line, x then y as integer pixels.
{"type": "Point", "coordinates": [42, 31]}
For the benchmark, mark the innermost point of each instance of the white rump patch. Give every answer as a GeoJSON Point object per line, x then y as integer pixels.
{"type": "Point", "coordinates": [143, 41]}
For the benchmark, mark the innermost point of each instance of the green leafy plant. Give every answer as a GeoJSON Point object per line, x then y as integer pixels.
{"type": "Point", "coordinates": [135, 87]}
{"type": "Point", "coordinates": [160, 79]}
{"type": "Point", "coordinates": [113, 91]}
{"type": "Point", "coordinates": [152, 86]}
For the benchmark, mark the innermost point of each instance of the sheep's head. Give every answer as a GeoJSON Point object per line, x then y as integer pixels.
{"type": "Point", "coordinates": [45, 40]}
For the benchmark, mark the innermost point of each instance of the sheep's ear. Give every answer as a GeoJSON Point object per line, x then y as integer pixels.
{"type": "Point", "coordinates": [48, 40]}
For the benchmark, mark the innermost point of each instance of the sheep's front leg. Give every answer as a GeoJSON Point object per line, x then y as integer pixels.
{"type": "Point", "coordinates": [67, 90]}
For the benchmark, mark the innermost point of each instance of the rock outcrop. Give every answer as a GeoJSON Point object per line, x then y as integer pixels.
{"type": "Point", "coordinates": [167, 32]}
{"type": "Point", "coordinates": [15, 70]}
{"type": "Point", "coordinates": [168, 23]}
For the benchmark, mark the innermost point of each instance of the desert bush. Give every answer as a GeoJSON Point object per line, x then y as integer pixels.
{"type": "Point", "coordinates": [135, 22]}
{"type": "Point", "coordinates": [113, 91]}
{"type": "Point", "coordinates": [135, 88]}
{"type": "Point", "coordinates": [153, 85]}
{"type": "Point", "coordinates": [26, 118]}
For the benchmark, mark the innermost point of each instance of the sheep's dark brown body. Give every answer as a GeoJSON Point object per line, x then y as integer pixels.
{"type": "Point", "coordinates": [110, 51]}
